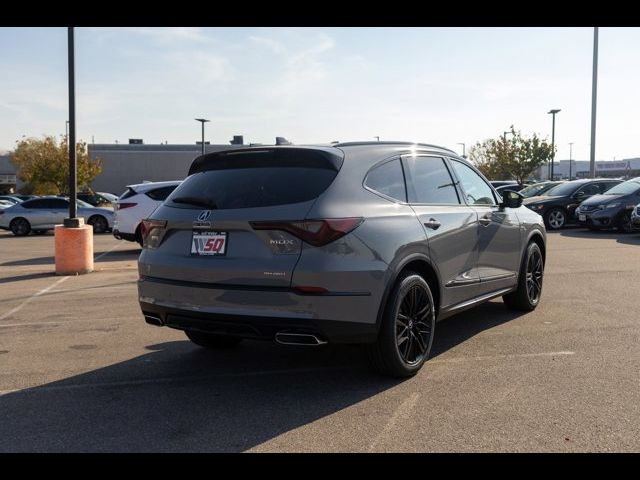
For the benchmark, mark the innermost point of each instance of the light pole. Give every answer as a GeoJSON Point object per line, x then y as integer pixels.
{"type": "Point", "coordinates": [72, 221]}
{"type": "Point", "coordinates": [202, 121]}
{"type": "Point", "coordinates": [570, 158]}
{"type": "Point", "coordinates": [594, 93]}
{"type": "Point", "coordinates": [463, 149]}
{"type": "Point", "coordinates": [553, 139]}
{"type": "Point", "coordinates": [377, 138]}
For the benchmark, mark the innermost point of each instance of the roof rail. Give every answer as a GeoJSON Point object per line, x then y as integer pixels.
{"type": "Point", "coordinates": [371, 142]}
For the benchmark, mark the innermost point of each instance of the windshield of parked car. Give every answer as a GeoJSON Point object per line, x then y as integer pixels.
{"type": "Point", "coordinates": [533, 190]}
{"type": "Point", "coordinates": [563, 189]}
{"type": "Point", "coordinates": [624, 188]}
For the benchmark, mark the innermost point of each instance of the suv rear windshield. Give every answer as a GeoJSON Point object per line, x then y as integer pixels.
{"type": "Point", "coordinates": [252, 187]}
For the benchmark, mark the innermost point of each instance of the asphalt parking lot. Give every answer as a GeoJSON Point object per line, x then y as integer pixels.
{"type": "Point", "coordinates": [80, 370]}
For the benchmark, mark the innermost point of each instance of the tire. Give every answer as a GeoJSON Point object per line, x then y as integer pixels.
{"type": "Point", "coordinates": [527, 296]}
{"type": "Point", "coordinates": [555, 219]}
{"type": "Point", "coordinates": [208, 340]}
{"type": "Point", "coordinates": [99, 224]}
{"type": "Point", "coordinates": [20, 227]}
{"type": "Point", "coordinates": [624, 222]}
{"type": "Point", "coordinates": [410, 308]}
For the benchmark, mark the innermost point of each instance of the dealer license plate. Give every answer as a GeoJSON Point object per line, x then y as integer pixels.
{"type": "Point", "coordinates": [208, 243]}
{"type": "Point", "coordinates": [582, 217]}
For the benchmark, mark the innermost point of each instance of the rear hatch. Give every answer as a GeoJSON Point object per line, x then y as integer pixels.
{"type": "Point", "coordinates": [227, 222]}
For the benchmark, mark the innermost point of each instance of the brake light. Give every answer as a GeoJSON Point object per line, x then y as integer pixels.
{"type": "Point", "coordinates": [152, 232]}
{"type": "Point", "coordinates": [314, 232]}
{"type": "Point", "coordinates": [120, 206]}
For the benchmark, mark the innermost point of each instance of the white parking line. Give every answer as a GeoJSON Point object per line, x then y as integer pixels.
{"type": "Point", "coordinates": [45, 290]}
{"type": "Point", "coordinates": [403, 411]}
{"type": "Point", "coordinates": [32, 298]}
{"type": "Point", "coordinates": [7, 325]}
{"type": "Point", "coordinates": [494, 357]}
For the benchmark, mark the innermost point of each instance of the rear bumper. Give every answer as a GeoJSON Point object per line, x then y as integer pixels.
{"type": "Point", "coordinates": [256, 313]}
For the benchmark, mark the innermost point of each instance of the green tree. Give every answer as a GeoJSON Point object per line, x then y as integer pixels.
{"type": "Point", "coordinates": [513, 158]}
{"type": "Point", "coordinates": [43, 164]}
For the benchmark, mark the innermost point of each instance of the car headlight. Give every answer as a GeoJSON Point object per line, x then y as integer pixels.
{"type": "Point", "coordinates": [608, 205]}
{"type": "Point", "coordinates": [536, 207]}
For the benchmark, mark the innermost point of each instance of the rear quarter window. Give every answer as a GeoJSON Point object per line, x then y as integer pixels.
{"type": "Point", "coordinates": [388, 179]}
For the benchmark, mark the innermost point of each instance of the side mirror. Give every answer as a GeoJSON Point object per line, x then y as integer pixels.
{"type": "Point", "coordinates": [511, 199]}
{"type": "Point", "coordinates": [579, 194]}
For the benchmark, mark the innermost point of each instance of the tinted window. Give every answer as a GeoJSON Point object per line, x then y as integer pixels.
{"type": "Point", "coordinates": [161, 194]}
{"type": "Point", "coordinates": [431, 181]}
{"type": "Point", "coordinates": [57, 203]}
{"type": "Point", "coordinates": [476, 190]}
{"type": "Point", "coordinates": [590, 189]}
{"type": "Point", "coordinates": [253, 187]}
{"type": "Point", "coordinates": [40, 203]}
{"type": "Point", "coordinates": [388, 180]}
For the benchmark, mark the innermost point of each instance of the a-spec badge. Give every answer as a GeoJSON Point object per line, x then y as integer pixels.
{"type": "Point", "coordinates": [202, 221]}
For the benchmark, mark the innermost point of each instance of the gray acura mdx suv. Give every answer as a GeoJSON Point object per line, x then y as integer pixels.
{"type": "Point", "coordinates": [367, 242]}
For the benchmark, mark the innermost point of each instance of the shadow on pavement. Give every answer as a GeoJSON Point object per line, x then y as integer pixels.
{"type": "Point", "coordinates": [179, 397]}
{"type": "Point", "coordinates": [29, 276]}
{"type": "Point", "coordinates": [457, 329]}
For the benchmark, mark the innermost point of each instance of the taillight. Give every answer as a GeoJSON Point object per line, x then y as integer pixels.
{"type": "Point", "coordinates": [152, 232]}
{"type": "Point", "coordinates": [120, 206]}
{"type": "Point", "coordinates": [313, 232]}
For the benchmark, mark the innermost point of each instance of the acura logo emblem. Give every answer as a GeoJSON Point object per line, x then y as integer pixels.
{"type": "Point", "coordinates": [204, 215]}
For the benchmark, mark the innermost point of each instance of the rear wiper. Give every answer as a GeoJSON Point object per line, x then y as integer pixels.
{"type": "Point", "coordinates": [201, 202]}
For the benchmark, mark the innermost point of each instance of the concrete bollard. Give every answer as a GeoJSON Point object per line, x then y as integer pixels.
{"type": "Point", "coordinates": [73, 250]}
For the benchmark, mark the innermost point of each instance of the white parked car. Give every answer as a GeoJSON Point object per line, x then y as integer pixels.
{"type": "Point", "coordinates": [137, 203]}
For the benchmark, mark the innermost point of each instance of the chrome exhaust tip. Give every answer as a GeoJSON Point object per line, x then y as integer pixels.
{"type": "Point", "coordinates": [288, 338]}
{"type": "Point", "coordinates": [153, 320]}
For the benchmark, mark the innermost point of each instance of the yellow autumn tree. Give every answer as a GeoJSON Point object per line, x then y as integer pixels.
{"type": "Point", "coordinates": [43, 165]}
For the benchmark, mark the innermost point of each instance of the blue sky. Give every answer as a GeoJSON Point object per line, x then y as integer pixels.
{"type": "Point", "coordinates": [435, 85]}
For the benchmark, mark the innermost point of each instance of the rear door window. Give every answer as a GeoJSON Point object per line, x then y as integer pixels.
{"type": "Point", "coordinates": [431, 181]}
{"type": "Point", "coordinates": [388, 180]}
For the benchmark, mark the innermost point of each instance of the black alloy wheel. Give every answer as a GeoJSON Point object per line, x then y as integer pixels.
{"type": "Point", "coordinates": [413, 328]}
{"type": "Point", "coordinates": [406, 329]}
{"type": "Point", "coordinates": [20, 227]}
{"type": "Point", "coordinates": [99, 224]}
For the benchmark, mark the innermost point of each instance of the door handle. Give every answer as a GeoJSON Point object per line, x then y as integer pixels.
{"type": "Point", "coordinates": [432, 224]}
{"type": "Point", "coordinates": [485, 221]}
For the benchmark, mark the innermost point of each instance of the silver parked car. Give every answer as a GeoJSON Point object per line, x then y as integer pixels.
{"type": "Point", "coordinates": [44, 213]}
{"type": "Point", "coordinates": [367, 242]}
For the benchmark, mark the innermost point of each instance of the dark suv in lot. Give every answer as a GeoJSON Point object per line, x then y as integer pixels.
{"type": "Point", "coordinates": [612, 209]}
{"type": "Point", "coordinates": [351, 243]}
{"type": "Point", "coordinates": [558, 205]}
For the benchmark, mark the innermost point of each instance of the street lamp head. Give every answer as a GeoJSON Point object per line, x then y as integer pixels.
{"type": "Point", "coordinates": [554, 111]}
{"type": "Point", "coordinates": [202, 120]}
